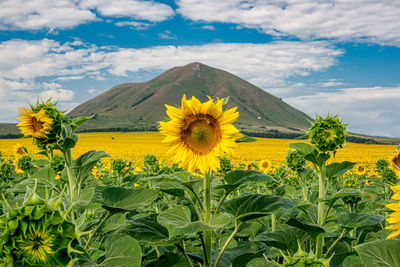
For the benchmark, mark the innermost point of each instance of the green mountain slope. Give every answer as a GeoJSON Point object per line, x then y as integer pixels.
{"type": "Point", "coordinates": [139, 106]}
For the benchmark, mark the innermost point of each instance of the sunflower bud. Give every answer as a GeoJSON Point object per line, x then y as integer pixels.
{"type": "Point", "coordinates": [38, 236]}
{"type": "Point", "coordinates": [304, 259]}
{"type": "Point", "coordinates": [295, 161]}
{"type": "Point", "coordinates": [327, 134]}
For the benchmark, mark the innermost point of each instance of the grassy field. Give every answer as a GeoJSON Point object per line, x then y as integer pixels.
{"type": "Point", "coordinates": [135, 145]}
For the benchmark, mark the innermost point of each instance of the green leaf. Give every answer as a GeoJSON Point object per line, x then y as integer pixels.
{"type": "Point", "coordinates": [343, 194]}
{"type": "Point", "coordinates": [317, 158]}
{"type": "Point", "coordinates": [118, 199]}
{"type": "Point", "coordinates": [45, 176]}
{"type": "Point", "coordinates": [79, 121]}
{"type": "Point", "coordinates": [115, 222]}
{"type": "Point", "coordinates": [338, 168]}
{"type": "Point", "coordinates": [253, 206]}
{"type": "Point", "coordinates": [357, 220]}
{"type": "Point", "coordinates": [148, 231]}
{"type": "Point", "coordinates": [246, 139]}
{"type": "Point", "coordinates": [69, 142]}
{"type": "Point", "coordinates": [382, 253]}
{"type": "Point", "coordinates": [353, 261]}
{"type": "Point", "coordinates": [122, 251]}
{"type": "Point", "coordinates": [312, 229]}
{"type": "Point", "coordinates": [85, 163]}
{"type": "Point", "coordinates": [178, 221]}
{"type": "Point", "coordinates": [282, 239]}
{"type": "Point", "coordinates": [236, 178]}
{"type": "Point", "coordinates": [302, 148]}
{"type": "Point", "coordinates": [220, 220]}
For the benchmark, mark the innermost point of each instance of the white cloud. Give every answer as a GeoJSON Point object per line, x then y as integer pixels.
{"type": "Point", "coordinates": [92, 91]}
{"type": "Point", "coordinates": [145, 10]}
{"type": "Point", "coordinates": [265, 64]}
{"type": "Point", "coordinates": [134, 25]}
{"type": "Point", "coordinates": [57, 94]}
{"type": "Point", "coordinates": [375, 21]}
{"type": "Point", "coordinates": [331, 83]}
{"type": "Point", "coordinates": [209, 27]}
{"type": "Point", "coordinates": [28, 67]}
{"type": "Point", "coordinates": [39, 14]}
{"type": "Point", "coordinates": [370, 110]}
{"type": "Point", "coordinates": [167, 35]}
{"type": "Point", "coordinates": [62, 14]}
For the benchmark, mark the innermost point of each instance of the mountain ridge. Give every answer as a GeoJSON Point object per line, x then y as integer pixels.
{"type": "Point", "coordinates": [145, 101]}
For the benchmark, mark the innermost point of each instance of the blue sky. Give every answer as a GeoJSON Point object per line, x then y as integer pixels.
{"type": "Point", "coordinates": [326, 56]}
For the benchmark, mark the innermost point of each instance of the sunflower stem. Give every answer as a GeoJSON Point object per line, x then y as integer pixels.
{"type": "Point", "coordinates": [97, 228]}
{"type": "Point", "coordinates": [321, 195]}
{"type": "Point", "coordinates": [207, 217]}
{"type": "Point", "coordinates": [68, 163]}
{"type": "Point", "coordinates": [227, 243]}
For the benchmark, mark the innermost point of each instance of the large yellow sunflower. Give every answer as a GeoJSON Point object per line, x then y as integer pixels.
{"type": "Point", "coordinates": [395, 161]}
{"type": "Point", "coordinates": [35, 124]}
{"type": "Point", "coordinates": [199, 133]}
{"type": "Point", "coordinates": [394, 218]}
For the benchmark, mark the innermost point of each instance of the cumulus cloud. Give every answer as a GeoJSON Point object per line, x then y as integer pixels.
{"type": "Point", "coordinates": [62, 14]}
{"type": "Point", "coordinates": [265, 64]}
{"type": "Point", "coordinates": [39, 14]}
{"type": "Point", "coordinates": [24, 65]}
{"type": "Point", "coordinates": [57, 94]}
{"type": "Point", "coordinates": [373, 21]}
{"type": "Point", "coordinates": [146, 10]}
{"type": "Point", "coordinates": [370, 110]}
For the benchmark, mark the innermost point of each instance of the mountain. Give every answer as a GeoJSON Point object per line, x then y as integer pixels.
{"type": "Point", "coordinates": [139, 106]}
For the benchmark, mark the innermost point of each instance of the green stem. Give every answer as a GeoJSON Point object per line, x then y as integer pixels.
{"type": "Point", "coordinates": [273, 222]}
{"type": "Point", "coordinates": [336, 241]}
{"type": "Point", "coordinates": [188, 199]}
{"type": "Point", "coordinates": [97, 228]}
{"type": "Point", "coordinates": [321, 195]}
{"type": "Point", "coordinates": [220, 203]}
{"type": "Point", "coordinates": [182, 250]}
{"type": "Point", "coordinates": [326, 214]}
{"type": "Point", "coordinates": [68, 163]}
{"type": "Point", "coordinates": [207, 217]}
{"type": "Point", "coordinates": [304, 178]}
{"type": "Point", "coordinates": [227, 243]}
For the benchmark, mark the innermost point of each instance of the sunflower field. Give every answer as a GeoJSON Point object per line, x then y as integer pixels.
{"type": "Point", "coordinates": [198, 193]}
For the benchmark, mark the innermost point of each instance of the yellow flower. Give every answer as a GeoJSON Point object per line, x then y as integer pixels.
{"type": "Point", "coordinates": [34, 124]}
{"type": "Point", "coordinates": [394, 218]}
{"type": "Point", "coordinates": [360, 169]}
{"type": "Point", "coordinates": [58, 176]}
{"type": "Point", "coordinates": [395, 161]}
{"type": "Point", "coordinates": [136, 185]}
{"type": "Point", "coordinates": [199, 133]}
{"type": "Point", "coordinates": [265, 166]}
{"type": "Point", "coordinates": [20, 150]}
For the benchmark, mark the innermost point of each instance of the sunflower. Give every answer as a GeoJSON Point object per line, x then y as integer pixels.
{"type": "Point", "coordinates": [35, 124]}
{"type": "Point", "coordinates": [394, 218]}
{"type": "Point", "coordinates": [199, 133]}
{"type": "Point", "coordinates": [265, 165]}
{"type": "Point", "coordinates": [20, 150]}
{"type": "Point", "coordinates": [360, 169]}
{"type": "Point", "coordinates": [395, 161]}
